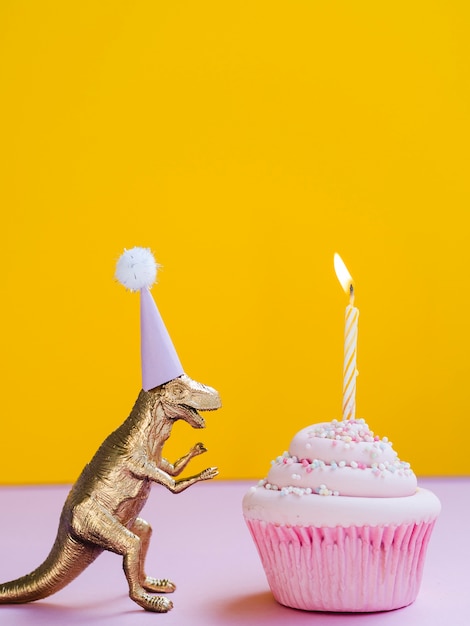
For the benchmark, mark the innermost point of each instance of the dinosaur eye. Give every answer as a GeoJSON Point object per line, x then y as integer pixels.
{"type": "Point", "coordinates": [176, 389]}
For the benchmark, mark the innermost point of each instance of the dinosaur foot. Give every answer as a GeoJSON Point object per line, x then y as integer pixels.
{"type": "Point", "coordinates": [156, 604]}
{"type": "Point", "coordinates": [158, 585]}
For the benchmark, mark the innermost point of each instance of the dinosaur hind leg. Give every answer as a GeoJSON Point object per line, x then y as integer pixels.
{"type": "Point", "coordinates": [155, 585]}
{"type": "Point", "coordinates": [95, 524]}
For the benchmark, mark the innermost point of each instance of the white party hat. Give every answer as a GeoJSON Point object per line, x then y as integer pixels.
{"type": "Point", "coordinates": [136, 269]}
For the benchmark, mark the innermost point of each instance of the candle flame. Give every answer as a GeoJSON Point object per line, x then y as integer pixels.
{"type": "Point", "coordinates": [343, 275]}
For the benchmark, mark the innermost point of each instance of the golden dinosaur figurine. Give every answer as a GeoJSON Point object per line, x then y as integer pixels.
{"type": "Point", "coordinates": [102, 508]}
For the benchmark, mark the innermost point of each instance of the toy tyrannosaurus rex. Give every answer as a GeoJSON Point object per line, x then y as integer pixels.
{"type": "Point", "coordinates": [102, 509]}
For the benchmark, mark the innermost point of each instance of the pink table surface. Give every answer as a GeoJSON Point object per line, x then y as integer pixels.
{"type": "Point", "coordinates": [200, 542]}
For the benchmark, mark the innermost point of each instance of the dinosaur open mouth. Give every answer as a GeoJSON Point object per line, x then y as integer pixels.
{"type": "Point", "coordinates": [193, 418]}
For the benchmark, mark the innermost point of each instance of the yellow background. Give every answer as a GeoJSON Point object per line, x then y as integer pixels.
{"type": "Point", "coordinates": [244, 142]}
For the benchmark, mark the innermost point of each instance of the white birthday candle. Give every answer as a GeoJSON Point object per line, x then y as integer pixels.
{"type": "Point", "coordinates": [350, 341]}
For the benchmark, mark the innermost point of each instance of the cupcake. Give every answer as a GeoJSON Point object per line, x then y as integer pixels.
{"type": "Point", "coordinates": [340, 523]}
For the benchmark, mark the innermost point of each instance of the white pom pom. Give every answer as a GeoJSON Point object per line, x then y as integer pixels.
{"type": "Point", "coordinates": [136, 268]}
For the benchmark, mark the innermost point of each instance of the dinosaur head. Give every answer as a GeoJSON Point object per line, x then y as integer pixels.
{"type": "Point", "coordinates": [183, 397]}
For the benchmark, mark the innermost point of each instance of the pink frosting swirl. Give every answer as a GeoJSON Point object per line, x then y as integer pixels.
{"type": "Point", "coordinates": [341, 458]}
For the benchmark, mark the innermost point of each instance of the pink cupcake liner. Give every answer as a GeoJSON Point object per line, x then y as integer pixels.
{"type": "Point", "coordinates": [350, 569]}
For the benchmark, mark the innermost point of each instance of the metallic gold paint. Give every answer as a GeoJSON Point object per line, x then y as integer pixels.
{"type": "Point", "coordinates": [102, 509]}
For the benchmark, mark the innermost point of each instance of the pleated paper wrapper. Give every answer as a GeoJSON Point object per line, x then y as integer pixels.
{"type": "Point", "coordinates": [350, 569]}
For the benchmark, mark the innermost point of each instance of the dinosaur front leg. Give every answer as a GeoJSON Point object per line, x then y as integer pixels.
{"type": "Point", "coordinates": [141, 467]}
{"type": "Point", "coordinates": [95, 524]}
{"type": "Point", "coordinates": [174, 469]}
{"type": "Point", "coordinates": [155, 585]}
{"type": "Point", "coordinates": [184, 483]}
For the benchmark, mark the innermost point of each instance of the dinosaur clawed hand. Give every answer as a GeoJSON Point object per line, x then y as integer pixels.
{"type": "Point", "coordinates": [207, 474]}
{"type": "Point", "coordinates": [198, 448]}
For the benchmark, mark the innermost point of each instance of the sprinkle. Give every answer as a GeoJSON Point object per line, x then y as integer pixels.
{"type": "Point", "coordinates": [323, 490]}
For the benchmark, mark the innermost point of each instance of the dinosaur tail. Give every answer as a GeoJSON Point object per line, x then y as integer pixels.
{"type": "Point", "coordinates": [67, 559]}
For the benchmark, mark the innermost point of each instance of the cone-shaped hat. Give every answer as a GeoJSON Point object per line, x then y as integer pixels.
{"type": "Point", "coordinates": [137, 270]}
